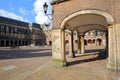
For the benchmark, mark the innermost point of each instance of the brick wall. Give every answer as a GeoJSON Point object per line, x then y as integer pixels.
{"type": "Point", "coordinates": [64, 9]}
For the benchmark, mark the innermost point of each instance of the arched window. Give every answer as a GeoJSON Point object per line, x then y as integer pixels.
{"type": "Point", "coordinates": [99, 41]}
{"type": "Point", "coordinates": [89, 41]}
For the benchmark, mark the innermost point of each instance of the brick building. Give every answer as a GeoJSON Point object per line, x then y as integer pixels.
{"type": "Point", "coordinates": [18, 33]}
{"type": "Point", "coordinates": [82, 16]}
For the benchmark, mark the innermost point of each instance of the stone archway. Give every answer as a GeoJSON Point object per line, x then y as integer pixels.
{"type": "Point", "coordinates": [102, 23]}
{"type": "Point", "coordinates": [108, 17]}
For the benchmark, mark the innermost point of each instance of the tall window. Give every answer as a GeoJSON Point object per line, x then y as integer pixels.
{"type": "Point", "coordinates": [2, 28]}
{"type": "Point", "coordinates": [2, 31]}
{"type": "Point", "coordinates": [12, 29]}
{"type": "Point", "coordinates": [15, 30]}
{"type": "Point", "coordinates": [7, 29]}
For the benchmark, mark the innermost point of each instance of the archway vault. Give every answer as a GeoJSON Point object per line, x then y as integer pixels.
{"type": "Point", "coordinates": [87, 19]}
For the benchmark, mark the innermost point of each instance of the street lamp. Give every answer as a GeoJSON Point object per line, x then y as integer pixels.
{"type": "Point", "coordinates": [45, 7]}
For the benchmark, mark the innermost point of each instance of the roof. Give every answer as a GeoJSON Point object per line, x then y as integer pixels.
{"type": "Point", "coordinates": [35, 25]}
{"type": "Point", "coordinates": [13, 21]}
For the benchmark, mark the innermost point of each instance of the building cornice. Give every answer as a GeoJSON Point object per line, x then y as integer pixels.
{"type": "Point", "coordinates": [57, 1]}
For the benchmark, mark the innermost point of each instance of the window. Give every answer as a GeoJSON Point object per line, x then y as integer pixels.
{"type": "Point", "coordinates": [26, 31]}
{"type": "Point", "coordinates": [12, 29]}
{"type": "Point", "coordinates": [15, 30]}
{"type": "Point", "coordinates": [2, 28]}
{"type": "Point", "coordinates": [7, 29]}
{"type": "Point", "coordinates": [20, 30]}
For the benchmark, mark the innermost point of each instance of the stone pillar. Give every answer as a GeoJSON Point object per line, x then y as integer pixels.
{"type": "Point", "coordinates": [117, 47]}
{"type": "Point", "coordinates": [79, 49]}
{"type": "Point", "coordinates": [114, 44]}
{"type": "Point", "coordinates": [58, 48]}
{"type": "Point", "coordinates": [82, 46]}
{"type": "Point", "coordinates": [71, 46]}
{"type": "Point", "coordinates": [110, 47]}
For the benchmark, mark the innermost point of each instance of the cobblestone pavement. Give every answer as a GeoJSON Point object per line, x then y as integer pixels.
{"type": "Point", "coordinates": [16, 64]}
{"type": "Point", "coordinates": [35, 64]}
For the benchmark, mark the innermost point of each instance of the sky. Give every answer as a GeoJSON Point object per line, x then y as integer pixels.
{"type": "Point", "coordinates": [25, 10]}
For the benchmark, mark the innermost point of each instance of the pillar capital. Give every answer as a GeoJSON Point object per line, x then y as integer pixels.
{"type": "Point", "coordinates": [110, 26]}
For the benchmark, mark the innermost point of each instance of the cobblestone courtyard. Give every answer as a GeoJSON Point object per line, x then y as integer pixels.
{"type": "Point", "coordinates": [28, 63]}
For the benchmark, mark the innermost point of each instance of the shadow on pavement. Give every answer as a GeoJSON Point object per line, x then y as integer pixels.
{"type": "Point", "coordinates": [99, 54]}
{"type": "Point", "coordinates": [28, 53]}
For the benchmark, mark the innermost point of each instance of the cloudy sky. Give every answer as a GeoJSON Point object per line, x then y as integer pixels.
{"type": "Point", "coordinates": [25, 10]}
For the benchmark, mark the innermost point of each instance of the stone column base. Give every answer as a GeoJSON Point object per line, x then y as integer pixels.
{"type": "Point", "coordinates": [78, 51]}
{"type": "Point", "coordinates": [82, 52]}
{"type": "Point", "coordinates": [58, 62]}
{"type": "Point", "coordinates": [72, 55]}
{"type": "Point", "coordinates": [112, 67]}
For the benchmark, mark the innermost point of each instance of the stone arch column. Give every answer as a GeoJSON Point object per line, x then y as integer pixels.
{"type": "Point", "coordinates": [58, 47]}
{"type": "Point", "coordinates": [82, 45]}
{"type": "Point", "coordinates": [114, 44]}
{"type": "Point", "coordinates": [71, 46]}
{"type": "Point", "coordinates": [78, 37]}
{"type": "Point", "coordinates": [112, 48]}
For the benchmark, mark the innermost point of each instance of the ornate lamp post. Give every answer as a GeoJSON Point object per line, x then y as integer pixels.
{"type": "Point", "coordinates": [45, 7]}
